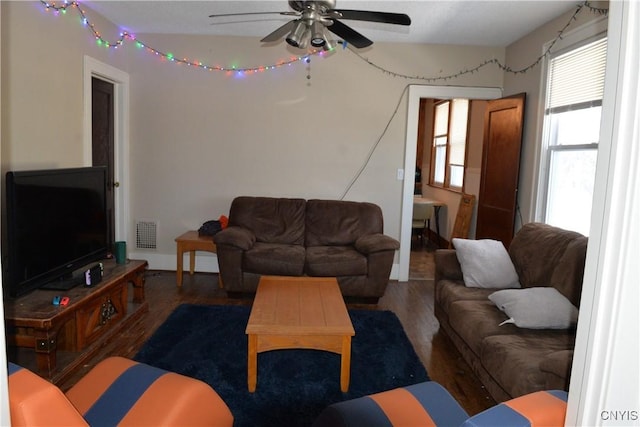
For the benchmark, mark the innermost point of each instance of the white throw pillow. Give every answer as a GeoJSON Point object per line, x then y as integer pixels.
{"type": "Point", "coordinates": [485, 264]}
{"type": "Point", "coordinates": [536, 308]}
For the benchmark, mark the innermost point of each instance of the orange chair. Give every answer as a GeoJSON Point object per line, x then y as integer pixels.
{"type": "Point", "coordinates": [117, 391]}
{"type": "Point", "coordinates": [428, 404]}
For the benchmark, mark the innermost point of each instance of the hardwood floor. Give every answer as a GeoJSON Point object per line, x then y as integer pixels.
{"type": "Point", "coordinates": [411, 301]}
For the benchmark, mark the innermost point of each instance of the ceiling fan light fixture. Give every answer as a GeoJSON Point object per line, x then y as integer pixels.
{"type": "Point", "coordinates": [329, 44]}
{"type": "Point", "coordinates": [297, 35]}
{"type": "Point", "coordinates": [318, 38]}
{"type": "Point", "coordinates": [306, 37]}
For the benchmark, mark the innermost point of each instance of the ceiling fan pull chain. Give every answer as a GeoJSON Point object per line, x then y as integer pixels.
{"type": "Point", "coordinates": [308, 61]}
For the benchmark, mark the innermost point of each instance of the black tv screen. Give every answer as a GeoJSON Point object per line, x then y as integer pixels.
{"type": "Point", "coordinates": [56, 224]}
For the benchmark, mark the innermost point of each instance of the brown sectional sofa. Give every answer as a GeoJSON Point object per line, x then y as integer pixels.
{"type": "Point", "coordinates": [512, 361]}
{"type": "Point", "coordinates": [295, 237]}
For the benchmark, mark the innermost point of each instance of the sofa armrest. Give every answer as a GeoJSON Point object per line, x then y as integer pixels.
{"type": "Point", "coordinates": [238, 237]}
{"type": "Point", "coordinates": [35, 401]}
{"type": "Point", "coordinates": [377, 242]}
{"type": "Point", "coordinates": [539, 408]}
{"type": "Point", "coordinates": [557, 368]}
{"type": "Point", "coordinates": [447, 265]}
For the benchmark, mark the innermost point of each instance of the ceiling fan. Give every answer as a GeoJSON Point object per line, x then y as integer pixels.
{"type": "Point", "coordinates": [316, 16]}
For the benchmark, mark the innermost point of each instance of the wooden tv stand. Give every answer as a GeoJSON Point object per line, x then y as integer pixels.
{"type": "Point", "coordinates": [63, 338]}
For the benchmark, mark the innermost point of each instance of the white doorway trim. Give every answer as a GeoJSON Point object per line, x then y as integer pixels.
{"type": "Point", "coordinates": [120, 80]}
{"type": "Point", "coordinates": [415, 93]}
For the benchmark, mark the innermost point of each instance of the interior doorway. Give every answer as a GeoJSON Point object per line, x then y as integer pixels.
{"type": "Point", "coordinates": [416, 93]}
{"type": "Point", "coordinates": [119, 80]}
{"type": "Point", "coordinates": [448, 171]}
{"type": "Point", "coordinates": [102, 143]}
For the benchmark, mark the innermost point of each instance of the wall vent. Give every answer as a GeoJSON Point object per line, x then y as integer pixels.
{"type": "Point", "coordinates": [146, 234]}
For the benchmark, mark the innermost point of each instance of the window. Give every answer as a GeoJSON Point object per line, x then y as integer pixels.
{"type": "Point", "coordinates": [449, 143]}
{"type": "Point", "coordinates": [575, 85]}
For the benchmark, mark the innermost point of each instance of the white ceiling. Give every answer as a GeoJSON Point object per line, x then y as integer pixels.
{"type": "Point", "coordinates": [463, 22]}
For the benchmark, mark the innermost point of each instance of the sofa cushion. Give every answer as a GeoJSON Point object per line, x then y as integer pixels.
{"type": "Point", "coordinates": [537, 249]}
{"type": "Point", "coordinates": [447, 265]}
{"type": "Point", "coordinates": [475, 320]}
{"type": "Point", "coordinates": [568, 274]}
{"type": "Point", "coordinates": [340, 223]}
{"type": "Point", "coordinates": [557, 367]}
{"type": "Point", "coordinates": [536, 308]}
{"type": "Point", "coordinates": [335, 261]}
{"type": "Point", "coordinates": [513, 360]}
{"type": "Point", "coordinates": [275, 259]}
{"type": "Point", "coordinates": [485, 264]}
{"type": "Point", "coordinates": [451, 291]}
{"type": "Point", "coordinates": [272, 220]}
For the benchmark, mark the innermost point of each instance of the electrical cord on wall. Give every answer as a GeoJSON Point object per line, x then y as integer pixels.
{"type": "Point", "coordinates": [375, 145]}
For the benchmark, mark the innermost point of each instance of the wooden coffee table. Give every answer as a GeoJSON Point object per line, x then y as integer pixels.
{"type": "Point", "coordinates": [299, 312]}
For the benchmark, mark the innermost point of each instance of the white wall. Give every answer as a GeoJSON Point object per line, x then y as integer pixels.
{"type": "Point", "coordinates": [42, 103]}
{"type": "Point", "coordinates": [518, 56]}
{"type": "Point", "coordinates": [199, 138]}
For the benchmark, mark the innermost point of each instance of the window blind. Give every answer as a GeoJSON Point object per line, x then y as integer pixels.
{"type": "Point", "coordinates": [459, 123]}
{"type": "Point", "coordinates": [576, 78]}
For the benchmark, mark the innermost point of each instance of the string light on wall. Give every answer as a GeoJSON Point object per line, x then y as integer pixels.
{"type": "Point", "coordinates": [170, 57]}
{"type": "Point", "coordinates": [306, 58]}
{"type": "Point", "coordinates": [494, 61]}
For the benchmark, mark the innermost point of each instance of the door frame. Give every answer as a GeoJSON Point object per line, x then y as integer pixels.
{"type": "Point", "coordinates": [416, 92]}
{"type": "Point", "coordinates": [94, 68]}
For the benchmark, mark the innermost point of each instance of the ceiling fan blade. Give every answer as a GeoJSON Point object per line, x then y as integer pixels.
{"type": "Point", "coordinates": [224, 15]}
{"type": "Point", "coordinates": [349, 34]}
{"type": "Point", "coordinates": [279, 32]}
{"type": "Point", "coordinates": [372, 16]}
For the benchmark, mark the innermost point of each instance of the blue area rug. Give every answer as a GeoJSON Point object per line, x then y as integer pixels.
{"type": "Point", "coordinates": [209, 343]}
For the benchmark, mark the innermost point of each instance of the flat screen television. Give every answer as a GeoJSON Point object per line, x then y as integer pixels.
{"type": "Point", "coordinates": [56, 225]}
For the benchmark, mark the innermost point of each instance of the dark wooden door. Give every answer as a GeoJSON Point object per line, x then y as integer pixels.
{"type": "Point", "coordinates": [102, 141]}
{"type": "Point", "coordinates": [497, 201]}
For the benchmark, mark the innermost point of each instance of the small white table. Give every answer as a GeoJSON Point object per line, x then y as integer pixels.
{"type": "Point", "coordinates": [437, 204]}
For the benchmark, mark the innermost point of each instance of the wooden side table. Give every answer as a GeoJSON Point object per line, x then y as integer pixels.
{"type": "Point", "coordinates": [191, 241]}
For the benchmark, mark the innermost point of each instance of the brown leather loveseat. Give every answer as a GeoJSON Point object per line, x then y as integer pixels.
{"type": "Point", "coordinates": [510, 360]}
{"type": "Point", "coordinates": [296, 237]}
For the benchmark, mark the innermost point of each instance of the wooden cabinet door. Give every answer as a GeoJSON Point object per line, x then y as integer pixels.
{"type": "Point", "coordinates": [497, 200]}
